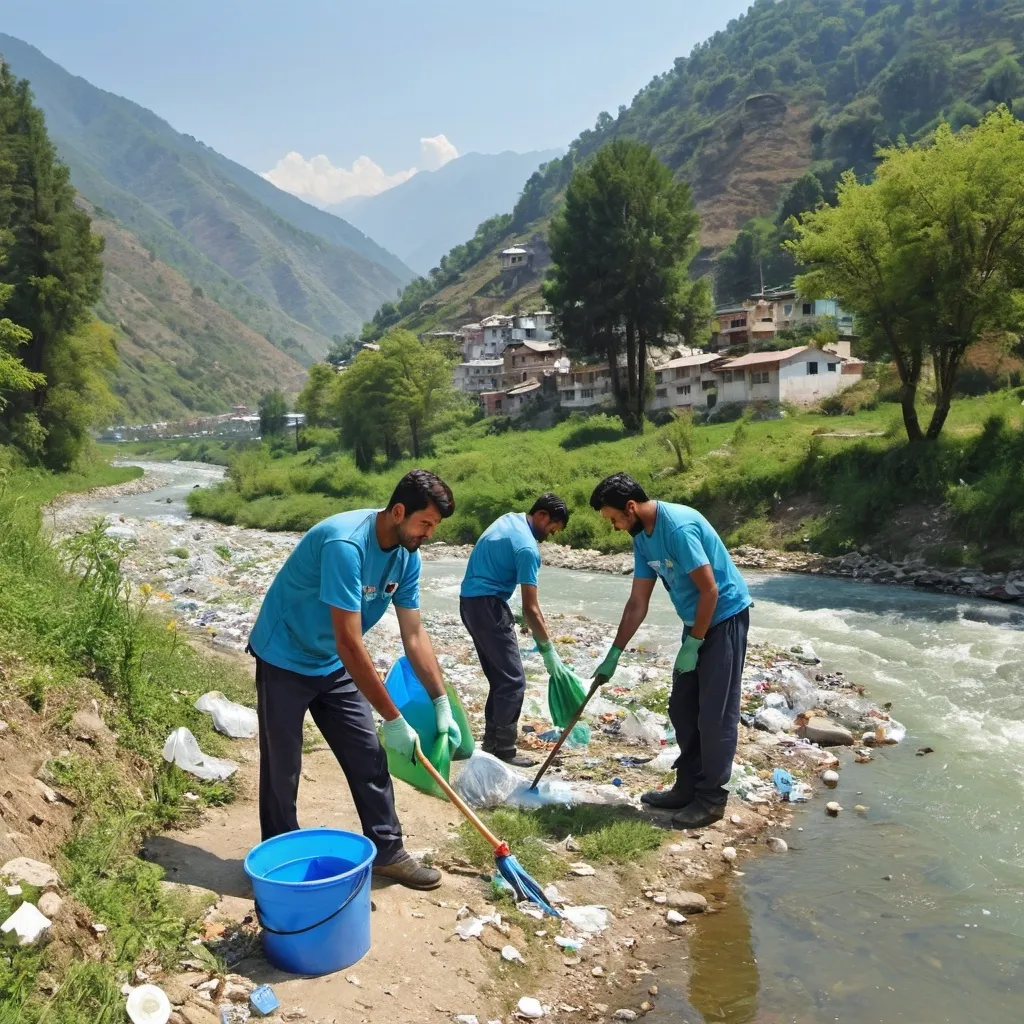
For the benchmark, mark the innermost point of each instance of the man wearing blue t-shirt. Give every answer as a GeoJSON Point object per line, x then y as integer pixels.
{"type": "Point", "coordinates": [308, 643]}
{"type": "Point", "coordinates": [676, 544]}
{"type": "Point", "coordinates": [507, 556]}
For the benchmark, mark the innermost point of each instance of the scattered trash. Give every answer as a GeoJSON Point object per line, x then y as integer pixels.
{"type": "Point", "coordinates": [783, 782]}
{"type": "Point", "coordinates": [148, 1004]}
{"type": "Point", "coordinates": [234, 1015]}
{"type": "Point", "coordinates": [473, 927]}
{"type": "Point", "coordinates": [353, 980]}
{"type": "Point", "coordinates": [466, 1018]}
{"type": "Point", "coordinates": [772, 720]}
{"type": "Point", "coordinates": [635, 762]}
{"type": "Point", "coordinates": [640, 727]}
{"type": "Point", "coordinates": [666, 760]}
{"type": "Point", "coordinates": [263, 1001]}
{"type": "Point", "coordinates": [13, 890]}
{"type": "Point", "coordinates": [616, 782]}
{"type": "Point", "coordinates": [512, 955]}
{"type": "Point", "coordinates": [553, 896]}
{"type": "Point", "coordinates": [565, 943]}
{"type": "Point", "coordinates": [26, 925]}
{"type": "Point", "coordinates": [229, 718]}
{"type": "Point", "coordinates": [591, 920]}
{"type": "Point", "coordinates": [182, 749]}
{"type": "Point", "coordinates": [530, 1008]}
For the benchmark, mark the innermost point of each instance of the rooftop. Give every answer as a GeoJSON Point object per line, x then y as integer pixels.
{"type": "Point", "coordinates": [698, 360]}
{"type": "Point", "coordinates": [525, 388]}
{"type": "Point", "coordinates": [764, 358]}
{"type": "Point", "coordinates": [514, 251]}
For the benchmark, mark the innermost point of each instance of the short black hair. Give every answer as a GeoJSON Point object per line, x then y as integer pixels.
{"type": "Point", "coordinates": [554, 506]}
{"type": "Point", "coordinates": [420, 488]}
{"type": "Point", "coordinates": [615, 491]}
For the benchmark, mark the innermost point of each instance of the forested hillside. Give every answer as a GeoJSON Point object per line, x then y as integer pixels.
{"type": "Point", "coordinates": [792, 87]}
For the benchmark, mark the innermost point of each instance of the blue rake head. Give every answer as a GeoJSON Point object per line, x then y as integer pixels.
{"type": "Point", "coordinates": [524, 886]}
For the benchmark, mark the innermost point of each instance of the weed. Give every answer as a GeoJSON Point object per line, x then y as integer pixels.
{"type": "Point", "coordinates": [223, 552]}
{"type": "Point", "coordinates": [181, 553]}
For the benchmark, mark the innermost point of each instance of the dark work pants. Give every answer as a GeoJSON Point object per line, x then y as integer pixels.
{"type": "Point", "coordinates": [704, 709]}
{"type": "Point", "coordinates": [344, 717]}
{"type": "Point", "coordinates": [492, 626]}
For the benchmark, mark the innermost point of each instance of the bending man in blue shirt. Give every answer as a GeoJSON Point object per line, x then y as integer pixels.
{"type": "Point", "coordinates": [676, 544]}
{"type": "Point", "coordinates": [308, 643]}
{"type": "Point", "coordinates": [507, 555]}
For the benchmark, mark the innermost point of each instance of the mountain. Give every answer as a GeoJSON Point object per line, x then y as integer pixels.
{"type": "Point", "coordinates": [424, 217]}
{"type": "Point", "coordinates": [791, 87]}
{"type": "Point", "coordinates": [291, 272]}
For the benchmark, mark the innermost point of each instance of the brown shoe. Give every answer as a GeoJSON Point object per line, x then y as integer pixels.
{"type": "Point", "coordinates": [410, 873]}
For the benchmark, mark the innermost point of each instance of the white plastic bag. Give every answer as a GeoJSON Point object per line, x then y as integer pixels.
{"type": "Point", "coordinates": [646, 732]}
{"type": "Point", "coordinates": [182, 749]}
{"type": "Point", "coordinates": [234, 720]}
{"type": "Point", "coordinates": [591, 920]}
{"type": "Point", "coordinates": [484, 781]}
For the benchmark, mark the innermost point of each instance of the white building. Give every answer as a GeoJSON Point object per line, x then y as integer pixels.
{"type": "Point", "coordinates": [516, 258]}
{"type": "Point", "coordinates": [477, 375]}
{"type": "Point", "coordinates": [803, 375]}
{"type": "Point", "coordinates": [496, 333]}
{"type": "Point", "coordinates": [584, 387]}
{"type": "Point", "coordinates": [685, 382]}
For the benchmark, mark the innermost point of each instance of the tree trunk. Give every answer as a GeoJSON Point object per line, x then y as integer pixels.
{"type": "Point", "coordinates": [630, 420]}
{"type": "Point", "coordinates": [414, 437]}
{"type": "Point", "coordinates": [947, 365]}
{"type": "Point", "coordinates": [908, 398]}
{"type": "Point", "coordinates": [641, 367]}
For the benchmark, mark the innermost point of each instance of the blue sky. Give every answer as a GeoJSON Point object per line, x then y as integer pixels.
{"type": "Point", "coordinates": [370, 80]}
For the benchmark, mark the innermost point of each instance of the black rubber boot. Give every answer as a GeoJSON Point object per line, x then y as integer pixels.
{"type": "Point", "coordinates": [673, 799]}
{"type": "Point", "coordinates": [698, 815]}
{"type": "Point", "coordinates": [505, 748]}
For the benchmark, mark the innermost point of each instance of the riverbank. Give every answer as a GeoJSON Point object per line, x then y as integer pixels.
{"type": "Point", "coordinates": [208, 579]}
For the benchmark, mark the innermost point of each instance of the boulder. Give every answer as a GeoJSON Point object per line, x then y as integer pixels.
{"type": "Point", "coordinates": [687, 902]}
{"type": "Point", "coordinates": [50, 905]}
{"type": "Point", "coordinates": [825, 733]}
{"type": "Point", "coordinates": [30, 872]}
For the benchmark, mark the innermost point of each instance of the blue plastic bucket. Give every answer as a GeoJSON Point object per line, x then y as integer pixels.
{"type": "Point", "coordinates": [312, 893]}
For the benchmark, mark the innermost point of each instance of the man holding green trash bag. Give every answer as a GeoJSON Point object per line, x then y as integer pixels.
{"type": "Point", "coordinates": [308, 644]}
{"type": "Point", "coordinates": [507, 555]}
{"type": "Point", "coordinates": [676, 544]}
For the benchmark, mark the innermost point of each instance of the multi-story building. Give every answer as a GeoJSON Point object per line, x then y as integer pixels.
{"type": "Point", "coordinates": [685, 382]}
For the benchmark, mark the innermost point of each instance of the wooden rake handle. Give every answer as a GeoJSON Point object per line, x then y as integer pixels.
{"type": "Point", "coordinates": [454, 797]}
{"type": "Point", "coordinates": [595, 686]}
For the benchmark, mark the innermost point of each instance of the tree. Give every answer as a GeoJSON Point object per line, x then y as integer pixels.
{"type": "Point", "coordinates": [930, 256]}
{"type": "Point", "coordinates": [678, 438]}
{"type": "Point", "coordinates": [362, 407]}
{"type": "Point", "coordinates": [315, 398]}
{"type": "Point", "coordinates": [621, 246]}
{"type": "Point", "coordinates": [273, 409]}
{"type": "Point", "coordinates": [50, 275]}
{"type": "Point", "coordinates": [343, 349]}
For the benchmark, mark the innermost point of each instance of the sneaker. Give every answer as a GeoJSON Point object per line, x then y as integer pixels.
{"type": "Point", "coordinates": [674, 799]}
{"type": "Point", "coordinates": [410, 873]}
{"type": "Point", "coordinates": [698, 814]}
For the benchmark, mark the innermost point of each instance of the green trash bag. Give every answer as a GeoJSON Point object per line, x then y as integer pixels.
{"type": "Point", "coordinates": [416, 707]}
{"type": "Point", "coordinates": [565, 695]}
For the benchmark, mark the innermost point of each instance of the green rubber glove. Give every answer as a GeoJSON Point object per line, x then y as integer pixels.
{"type": "Point", "coordinates": [686, 659]}
{"type": "Point", "coordinates": [552, 662]}
{"type": "Point", "coordinates": [607, 667]}
{"type": "Point", "coordinates": [445, 722]}
{"type": "Point", "coordinates": [400, 737]}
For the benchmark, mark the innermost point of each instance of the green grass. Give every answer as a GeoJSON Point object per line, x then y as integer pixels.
{"type": "Point", "coordinates": [181, 553]}
{"type": "Point", "coordinates": [73, 631]}
{"type": "Point", "coordinates": [741, 474]}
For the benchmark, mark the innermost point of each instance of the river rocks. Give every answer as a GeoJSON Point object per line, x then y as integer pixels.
{"type": "Point", "coordinates": [824, 732]}
{"type": "Point", "coordinates": [30, 872]}
{"type": "Point", "coordinates": [687, 902]}
{"type": "Point", "coordinates": [832, 809]}
{"type": "Point", "coordinates": [772, 720]}
{"type": "Point", "coordinates": [776, 845]}
{"type": "Point", "coordinates": [830, 778]}
{"type": "Point", "coordinates": [50, 905]}
{"type": "Point", "coordinates": [729, 854]}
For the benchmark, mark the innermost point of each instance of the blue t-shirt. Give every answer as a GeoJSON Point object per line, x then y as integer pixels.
{"type": "Point", "coordinates": [683, 540]}
{"type": "Point", "coordinates": [506, 555]}
{"type": "Point", "coordinates": [339, 564]}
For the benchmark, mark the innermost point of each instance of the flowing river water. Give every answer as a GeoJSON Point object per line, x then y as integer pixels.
{"type": "Point", "coordinates": [912, 911]}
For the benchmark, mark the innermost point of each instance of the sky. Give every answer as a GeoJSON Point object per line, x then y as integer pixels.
{"type": "Point", "coordinates": [337, 98]}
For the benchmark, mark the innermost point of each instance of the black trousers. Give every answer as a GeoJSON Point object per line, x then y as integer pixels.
{"type": "Point", "coordinates": [345, 718]}
{"type": "Point", "coordinates": [704, 709]}
{"type": "Point", "coordinates": [492, 626]}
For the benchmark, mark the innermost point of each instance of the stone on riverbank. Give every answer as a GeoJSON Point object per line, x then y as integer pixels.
{"type": "Point", "coordinates": [687, 902]}
{"type": "Point", "coordinates": [825, 733]}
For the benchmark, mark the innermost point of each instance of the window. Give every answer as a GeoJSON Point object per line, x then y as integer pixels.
{"type": "Point", "coordinates": [587, 393]}
{"type": "Point", "coordinates": [661, 393]}
{"type": "Point", "coordinates": [788, 308]}
{"type": "Point", "coordinates": [812, 369]}
{"type": "Point", "coordinates": [683, 389]}
{"type": "Point", "coordinates": [682, 372]}
{"type": "Point", "coordinates": [760, 377]}
{"type": "Point", "coordinates": [568, 396]}
{"type": "Point", "coordinates": [727, 376]}
{"type": "Point", "coordinates": [524, 374]}
{"type": "Point", "coordinates": [808, 309]}
{"type": "Point", "coordinates": [706, 385]}
{"type": "Point", "coordinates": [738, 323]}
{"type": "Point", "coordinates": [832, 367]}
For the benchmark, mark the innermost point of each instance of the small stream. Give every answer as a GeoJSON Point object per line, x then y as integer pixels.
{"type": "Point", "coordinates": [912, 911]}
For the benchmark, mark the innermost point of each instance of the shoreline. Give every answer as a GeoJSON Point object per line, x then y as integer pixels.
{"type": "Point", "coordinates": [214, 592]}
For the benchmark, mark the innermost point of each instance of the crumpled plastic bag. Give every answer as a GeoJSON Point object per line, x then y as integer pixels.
{"type": "Point", "coordinates": [591, 920]}
{"type": "Point", "coordinates": [487, 782]}
{"type": "Point", "coordinates": [644, 731]}
{"type": "Point", "coordinates": [234, 720]}
{"type": "Point", "coordinates": [182, 749]}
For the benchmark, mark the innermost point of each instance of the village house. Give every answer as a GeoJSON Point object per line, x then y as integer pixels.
{"type": "Point", "coordinates": [516, 258]}
{"type": "Point", "coordinates": [763, 316]}
{"type": "Point", "coordinates": [803, 375]}
{"type": "Point", "coordinates": [529, 360]}
{"type": "Point", "coordinates": [584, 387]}
{"type": "Point", "coordinates": [686, 382]}
{"type": "Point", "coordinates": [478, 375]}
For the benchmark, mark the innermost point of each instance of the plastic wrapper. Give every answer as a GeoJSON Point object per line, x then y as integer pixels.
{"type": "Point", "coordinates": [182, 749]}
{"type": "Point", "coordinates": [234, 720]}
{"type": "Point", "coordinates": [642, 729]}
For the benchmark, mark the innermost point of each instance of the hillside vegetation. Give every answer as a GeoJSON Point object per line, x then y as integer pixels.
{"type": "Point", "coordinates": [291, 272]}
{"type": "Point", "coordinates": [792, 86]}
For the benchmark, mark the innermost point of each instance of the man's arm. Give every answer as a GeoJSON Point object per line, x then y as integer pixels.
{"type": "Point", "coordinates": [533, 616]}
{"type": "Point", "coordinates": [348, 635]}
{"type": "Point", "coordinates": [635, 611]}
{"type": "Point", "coordinates": [704, 580]}
{"type": "Point", "coordinates": [420, 651]}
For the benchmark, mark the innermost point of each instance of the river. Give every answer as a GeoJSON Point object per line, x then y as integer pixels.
{"type": "Point", "coordinates": [911, 911]}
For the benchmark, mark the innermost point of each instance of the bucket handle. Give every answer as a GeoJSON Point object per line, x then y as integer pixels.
{"type": "Point", "coordinates": [330, 917]}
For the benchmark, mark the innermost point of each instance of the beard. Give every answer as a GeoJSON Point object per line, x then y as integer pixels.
{"type": "Point", "coordinates": [636, 526]}
{"type": "Point", "coordinates": [409, 542]}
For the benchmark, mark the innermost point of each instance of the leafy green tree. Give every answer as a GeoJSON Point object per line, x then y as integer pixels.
{"type": "Point", "coordinates": [364, 409]}
{"type": "Point", "coordinates": [14, 375]}
{"type": "Point", "coordinates": [273, 409]}
{"type": "Point", "coordinates": [343, 348]}
{"type": "Point", "coordinates": [621, 247]}
{"type": "Point", "coordinates": [50, 272]}
{"type": "Point", "coordinates": [315, 398]}
{"type": "Point", "coordinates": [930, 255]}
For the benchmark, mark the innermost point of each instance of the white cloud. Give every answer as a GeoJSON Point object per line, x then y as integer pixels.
{"type": "Point", "coordinates": [319, 181]}
{"type": "Point", "coordinates": [436, 151]}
